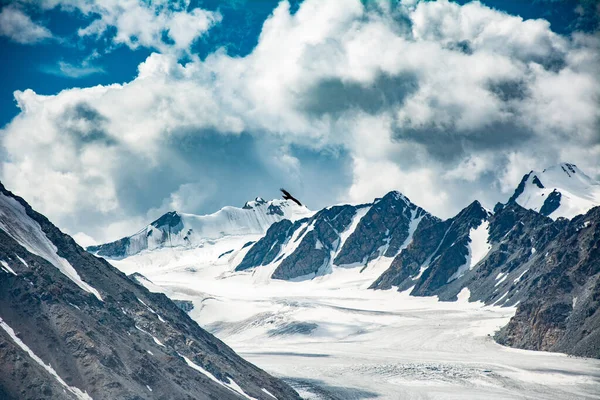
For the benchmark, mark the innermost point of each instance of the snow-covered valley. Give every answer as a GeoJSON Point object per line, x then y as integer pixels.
{"type": "Point", "coordinates": [332, 338]}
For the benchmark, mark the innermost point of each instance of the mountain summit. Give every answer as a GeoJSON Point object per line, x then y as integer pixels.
{"type": "Point", "coordinates": [175, 229]}
{"type": "Point", "coordinates": [559, 191]}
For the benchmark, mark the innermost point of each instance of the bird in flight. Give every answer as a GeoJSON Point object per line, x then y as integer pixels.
{"type": "Point", "coordinates": [288, 196]}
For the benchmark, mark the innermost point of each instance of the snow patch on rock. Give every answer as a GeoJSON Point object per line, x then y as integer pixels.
{"type": "Point", "coordinates": [77, 392]}
{"type": "Point", "coordinates": [28, 233]}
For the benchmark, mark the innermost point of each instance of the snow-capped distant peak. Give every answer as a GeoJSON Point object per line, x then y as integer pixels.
{"type": "Point", "coordinates": [562, 190]}
{"type": "Point", "coordinates": [175, 229]}
{"type": "Point", "coordinates": [259, 201]}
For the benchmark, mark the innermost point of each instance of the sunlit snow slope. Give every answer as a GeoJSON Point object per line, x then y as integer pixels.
{"type": "Point", "coordinates": [175, 229]}
{"type": "Point", "coordinates": [559, 191]}
{"type": "Point", "coordinates": [332, 338]}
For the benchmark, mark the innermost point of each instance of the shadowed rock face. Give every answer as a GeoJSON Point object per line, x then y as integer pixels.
{"type": "Point", "coordinates": [407, 264]}
{"type": "Point", "coordinates": [517, 235]}
{"type": "Point", "coordinates": [314, 252]}
{"type": "Point", "coordinates": [437, 251]}
{"type": "Point", "coordinates": [453, 250]}
{"type": "Point", "coordinates": [170, 219]}
{"type": "Point", "coordinates": [551, 203]}
{"type": "Point", "coordinates": [382, 230]}
{"type": "Point", "coordinates": [562, 308]}
{"type": "Point", "coordinates": [268, 248]}
{"type": "Point", "coordinates": [116, 249]}
{"type": "Point", "coordinates": [117, 348]}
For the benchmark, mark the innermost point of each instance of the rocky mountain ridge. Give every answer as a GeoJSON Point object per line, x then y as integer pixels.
{"type": "Point", "coordinates": [505, 257]}
{"type": "Point", "coordinates": [176, 229]}
{"type": "Point", "coordinates": [74, 327]}
{"type": "Point", "coordinates": [345, 236]}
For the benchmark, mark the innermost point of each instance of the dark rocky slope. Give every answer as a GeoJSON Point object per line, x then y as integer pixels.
{"type": "Point", "coordinates": [434, 256]}
{"type": "Point", "coordinates": [317, 241]}
{"type": "Point", "coordinates": [381, 231]}
{"type": "Point", "coordinates": [129, 345]}
{"type": "Point", "coordinates": [266, 250]}
{"type": "Point", "coordinates": [316, 247]}
{"type": "Point", "coordinates": [317, 238]}
{"type": "Point", "coordinates": [549, 269]}
{"type": "Point", "coordinates": [561, 311]}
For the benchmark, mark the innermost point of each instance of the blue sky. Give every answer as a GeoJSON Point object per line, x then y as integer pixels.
{"type": "Point", "coordinates": [201, 104]}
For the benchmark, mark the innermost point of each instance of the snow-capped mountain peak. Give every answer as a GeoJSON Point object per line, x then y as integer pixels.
{"type": "Point", "coordinates": [254, 203]}
{"type": "Point", "coordinates": [562, 190]}
{"type": "Point", "coordinates": [175, 229]}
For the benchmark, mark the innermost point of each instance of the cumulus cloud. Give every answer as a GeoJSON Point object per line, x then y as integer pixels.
{"type": "Point", "coordinates": [163, 25]}
{"type": "Point", "coordinates": [18, 27]}
{"type": "Point", "coordinates": [340, 102]}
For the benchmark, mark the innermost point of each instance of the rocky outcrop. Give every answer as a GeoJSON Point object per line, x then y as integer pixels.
{"type": "Point", "coordinates": [551, 204]}
{"type": "Point", "coordinates": [561, 311]}
{"type": "Point", "coordinates": [407, 265]}
{"type": "Point", "coordinates": [435, 256]}
{"type": "Point", "coordinates": [122, 343]}
{"type": "Point", "coordinates": [453, 251]}
{"type": "Point", "coordinates": [313, 255]}
{"type": "Point", "coordinates": [382, 231]}
{"type": "Point", "coordinates": [268, 248]}
{"type": "Point", "coordinates": [314, 246]}
{"type": "Point", "coordinates": [516, 235]}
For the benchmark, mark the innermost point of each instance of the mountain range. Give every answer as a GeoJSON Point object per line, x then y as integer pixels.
{"type": "Point", "coordinates": [74, 326]}
{"type": "Point", "coordinates": [538, 252]}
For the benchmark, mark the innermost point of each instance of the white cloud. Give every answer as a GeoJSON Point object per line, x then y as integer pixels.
{"type": "Point", "coordinates": [471, 168]}
{"type": "Point", "coordinates": [84, 240]}
{"type": "Point", "coordinates": [157, 24]}
{"type": "Point", "coordinates": [17, 26]}
{"type": "Point", "coordinates": [72, 70]}
{"type": "Point", "coordinates": [445, 112]}
{"type": "Point", "coordinates": [187, 198]}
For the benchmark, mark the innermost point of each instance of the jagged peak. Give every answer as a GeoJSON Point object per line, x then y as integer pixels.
{"type": "Point", "coordinates": [566, 171]}
{"type": "Point", "coordinates": [170, 219]}
{"type": "Point", "coordinates": [567, 168]}
{"type": "Point", "coordinates": [474, 210]}
{"type": "Point", "coordinates": [393, 195]}
{"type": "Point", "coordinates": [258, 201]}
